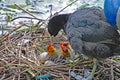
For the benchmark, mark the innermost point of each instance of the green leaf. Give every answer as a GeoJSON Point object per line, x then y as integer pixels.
{"type": "Point", "coordinates": [8, 17]}
{"type": "Point", "coordinates": [12, 6]}
{"type": "Point", "coordinates": [27, 3]}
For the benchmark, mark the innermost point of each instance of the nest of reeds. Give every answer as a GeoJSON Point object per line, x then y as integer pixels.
{"type": "Point", "coordinates": [20, 60]}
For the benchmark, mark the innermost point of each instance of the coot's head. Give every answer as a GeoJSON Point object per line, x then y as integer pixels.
{"type": "Point", "coordinates": [57, 23]}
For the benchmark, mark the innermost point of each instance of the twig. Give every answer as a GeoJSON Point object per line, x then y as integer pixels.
{"type": "Point", "coordinates": [26, 11]}
{"type": "Point", "coordinates": [62, 9]}
{"type": "Point", "coordinates": [27, 18]}
{"type": "Point", "coordinates": [112, 74]}
{"type": "Point", "coordinates": [2, 77]}
{"type": "Point", "coordinates": [6, 35]}
{"type": "Point", "coordinates": [67, 6]}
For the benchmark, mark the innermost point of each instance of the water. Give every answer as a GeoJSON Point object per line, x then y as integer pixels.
{"type": "Point", "coordinates": [41, 9]}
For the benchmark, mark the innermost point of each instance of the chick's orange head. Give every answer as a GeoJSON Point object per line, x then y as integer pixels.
{"type": "Point", "coordinates": [65, 48]}
{"type": "Point", "coordinates": [65, 44]}
{"type": "Point", "coordinates": [51, 49]}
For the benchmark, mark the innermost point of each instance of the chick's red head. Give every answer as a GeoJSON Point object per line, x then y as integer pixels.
{"type": "Point", "coordinates": [51, 49]}
{"type": "Point", "coordinates": [65, 48]}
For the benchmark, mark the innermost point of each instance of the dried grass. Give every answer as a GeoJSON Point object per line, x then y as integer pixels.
{"type": "Point", "coordinates": [22, 62]}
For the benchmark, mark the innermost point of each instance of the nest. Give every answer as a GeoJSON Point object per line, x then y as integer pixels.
{"type": "Point", "coordinates": [20, 60]}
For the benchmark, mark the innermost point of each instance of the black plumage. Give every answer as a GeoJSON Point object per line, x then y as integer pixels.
{"type": "Point", "coordinates": [88, 33]}
{"type": "Point", "coordinates": [57, 23]}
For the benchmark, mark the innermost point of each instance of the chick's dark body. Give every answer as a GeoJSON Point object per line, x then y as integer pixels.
{"type": "Point", "coordinates": [89, 33]}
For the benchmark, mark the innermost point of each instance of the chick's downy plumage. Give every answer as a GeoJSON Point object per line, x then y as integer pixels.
{"type": "Point", "coordinates": [65, 49]}
{"type": "Point", "coordinates": [88, 33]}
{"type": "Point", "coordinates": [51, 50]}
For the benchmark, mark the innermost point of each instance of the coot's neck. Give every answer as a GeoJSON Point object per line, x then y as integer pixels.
{"type": "Point", "coordinates": [65, 19]}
